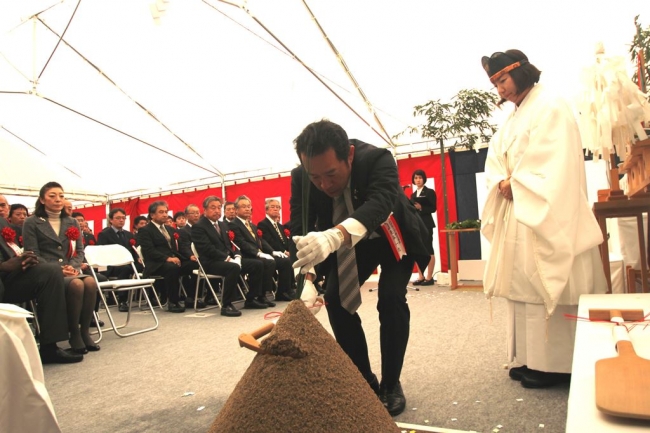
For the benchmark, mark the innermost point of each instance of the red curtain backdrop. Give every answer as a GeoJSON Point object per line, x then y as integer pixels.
{"type": "Point", "coordinates": [431, 164]}
{"type": "Point", "coordinates": [96, 214]}
{"type": "Point", "coordinates": [259, 191]}
{"type": "Point", "coordinates": [280, 186]}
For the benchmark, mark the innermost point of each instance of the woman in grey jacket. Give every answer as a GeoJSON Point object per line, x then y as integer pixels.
{"type": "Point", "coordinates": [54, 236]}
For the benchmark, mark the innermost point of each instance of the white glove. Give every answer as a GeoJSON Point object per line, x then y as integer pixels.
{"type": "Point", "coordinates": [237, 260]}
{"type": "Point", "coordinates": [262, 255]}
{"type": "Point", "coordinates": [279, 254]}
{"type": "Point", "coordinates": [311, 298]}
{"type": "Point", "coordinates": [314, 248]}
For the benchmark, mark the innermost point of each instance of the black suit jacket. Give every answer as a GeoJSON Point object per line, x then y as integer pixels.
{"type": "Point", "coordinates": [89, 239]}
{"type": "Point", "coordinates": [108, 236]}
{"type": "Point", "coordinates": [155, 249]}
{"type": "Point", "coordinates": [279, 242]}
{"type": "Point", "coordinates": [248, 244]}
{"type": "Point", "coordinates": [208, 243]}
{"type": "Point", "coordinates": [427, 209]}
{"type": "Point", "coordinates": [375, 192]}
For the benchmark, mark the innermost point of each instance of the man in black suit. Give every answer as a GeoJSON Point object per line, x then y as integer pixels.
{"type": "Point", "coordinates": [357, 184]}
{"type": "Point", "coordinates": [220, 256]}
{"type": "Point", "coordinates": [116, 235]}
{"type": "Point", "coordinates": [160, 251]}
{"type": "Point", "coordinates": [23, 278]}
{"type": "Point", "coordinates": [248, 239]}
{"type": "Point", "coordinates": [229, 213]}
{"type": "Point", "coordinates": [273, 234]}
{"type": "Point", "coordinates": [89, 237]}
{"type": "Point", "coordinates": [139, 222]}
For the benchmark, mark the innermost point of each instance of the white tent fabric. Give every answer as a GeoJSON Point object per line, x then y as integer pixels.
{"type": "Point", "coordinates": [228, 99]}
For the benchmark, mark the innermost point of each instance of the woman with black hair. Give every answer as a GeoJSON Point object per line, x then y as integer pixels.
{"type": "Point", "coordinates": [537, 217]}
{"type": "Point", "coordinates": [424, 200]}
{"type": "Point", "coordinates": [54, 236]}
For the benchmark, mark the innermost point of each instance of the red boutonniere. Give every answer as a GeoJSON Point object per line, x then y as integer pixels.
{"type": "Point", "coordinates": [91, 242]}
{"type": "Point", "coordinates": [9, 235]}
{"type": "Point", "coordinates": [72, 234]}
{"type": "Point", "coordinates": [132, 242]}
{"type": "Point", "coordinates": [176, 236]}
{"type": "Point", "coordinates": [231, 236]}
{"type": "Point", "coordinates": [20, 240]}
{"type": "Point", "coordinates": [287, 232]}
{"type": "Point", "coordinates": [259, 233]}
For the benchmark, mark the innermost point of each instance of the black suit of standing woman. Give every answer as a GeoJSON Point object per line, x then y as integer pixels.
{"type": "Point", "coordinates": [424, 200]}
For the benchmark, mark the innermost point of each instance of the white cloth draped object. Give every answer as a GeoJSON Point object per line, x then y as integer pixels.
{"type": "Point", "coordinates": [611, 107]}
{"type": "Point", "coordinates": [25, 405]}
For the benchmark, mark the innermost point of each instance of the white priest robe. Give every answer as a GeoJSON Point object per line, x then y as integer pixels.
{"type": "Point", "coordinates": [544, 241]}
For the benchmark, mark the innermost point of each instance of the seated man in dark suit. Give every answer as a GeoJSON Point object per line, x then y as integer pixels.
{"type": "Point", "coordinates": [17, 215]}
{"type": "Point", "coordinates": [23, 278]}
{"type": "Point", "coordinates": [250, 244]}
{"type": "Point", "coordinates": [220, 257]}
{"type": "Point", "coordinates": [274, 235]}
{"type": "Point", "coordinates": [161, 255]}
{"type": "Point", "coordinates": [186, 254]}
{"type": "Point", "coordinates": [116, 235]}
{"type": "Point", "coordinates": [229, 213]}
{"type": "Point", "coordinates": [139, 222]}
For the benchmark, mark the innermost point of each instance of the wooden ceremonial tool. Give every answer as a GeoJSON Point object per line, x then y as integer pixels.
{"type": "Point", "coordinates": [607, 315]}
{"type": "Point", "coordinates": [623, 382]}
{"type": "Point", "coordinates": [249, 341]}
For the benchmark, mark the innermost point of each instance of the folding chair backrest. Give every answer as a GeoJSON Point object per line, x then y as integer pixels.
{"type": "Point", "coordinates": [107, 255]}
{"type": "Point", "coordinates": [194, 251]}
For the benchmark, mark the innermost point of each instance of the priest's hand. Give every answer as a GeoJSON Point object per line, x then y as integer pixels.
{"type": "Point", "coordinates": [505, 189]}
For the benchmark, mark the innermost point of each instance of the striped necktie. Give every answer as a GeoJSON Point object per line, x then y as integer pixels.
{"type": "Point", "coordinates": [349, 292]}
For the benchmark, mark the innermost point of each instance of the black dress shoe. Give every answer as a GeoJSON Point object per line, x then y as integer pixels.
{"type": "Point", "coordinates": [374, 384]}
{"type": "Point", "coordinates": [175, 307]}
{"type": "Point", "coordinates": [60, 356]}
{"type": "Point", "coordinates": [517, 373]}
{"type": "Point", "coordinates": [230, 311]}
{"type": "Point", "coordinates": [124, 307]}
{"type": "Point", "coordinates": [283, 297]}
{"type": "Point", "coordinates": [93, 324]}
{"type": "Point", "coordinates": [189, 303]}
{"type": "Point", "coordinates": [264, 300]}
{"type": "Point", "coordinates": [542, 379]}
{"type": "Point", "coordinates": [92, 347]}
{"type": "Point", "coordinates": [254, 304]}
{"type": "Point", "coordinates": [430, 282]}
{"type": "Point", "coordinates": [393, 399]}
{"type": "Point", "coordinates": [418, 282]}
{"type": "Point", "coordinates": [79, 351]}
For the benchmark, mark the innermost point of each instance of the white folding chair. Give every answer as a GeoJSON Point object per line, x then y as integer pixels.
{"type": "Point", "coordinates": [155, 293]}
{"type": "Point", "coordinates": [117, 255]}
{"type": "Point", "coordinates": [201, 275]}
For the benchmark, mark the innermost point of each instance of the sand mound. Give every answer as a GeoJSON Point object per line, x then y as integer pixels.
{"type": "Point", "coordinates": [303, 382]}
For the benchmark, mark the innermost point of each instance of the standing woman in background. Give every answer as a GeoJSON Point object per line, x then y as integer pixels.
{"type": "Point", "coordinates": [54, 236]}
{"type": "Point", "coordinates": [424, 200]}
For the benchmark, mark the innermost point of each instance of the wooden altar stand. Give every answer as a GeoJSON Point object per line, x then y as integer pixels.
{"type": "Point", "coordinates": [453, 257]}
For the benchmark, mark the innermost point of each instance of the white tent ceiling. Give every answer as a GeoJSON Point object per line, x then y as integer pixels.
{"type": "Point", "coordinates": [228, 99]}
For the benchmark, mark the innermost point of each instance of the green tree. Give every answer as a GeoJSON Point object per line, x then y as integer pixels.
{"type": "Point", "coordinates": [464, 121]}
{"type": "Point", "coordinates": [641, 44]}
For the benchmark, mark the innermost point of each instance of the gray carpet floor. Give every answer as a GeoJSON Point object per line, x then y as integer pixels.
{"type": "Point", "coordinates": [176, 378]}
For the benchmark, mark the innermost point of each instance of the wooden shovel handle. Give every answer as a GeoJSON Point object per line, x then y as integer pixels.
{"type": "Point", "coordinates": [249, 341]}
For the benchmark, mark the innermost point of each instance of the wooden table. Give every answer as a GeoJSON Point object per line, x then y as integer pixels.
{"type": "Point", "coordinates": [453, 255]}
{"type": "Point", "coordinates": [634, 207]}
